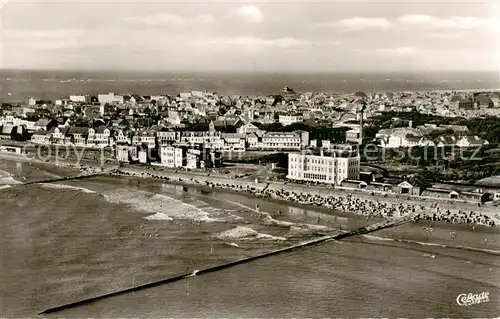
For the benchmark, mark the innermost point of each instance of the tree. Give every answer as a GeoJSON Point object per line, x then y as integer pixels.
{"type": "Point", "coordinates": [43, 113]}
{"type": "Point", "coordinates": [223, 110]}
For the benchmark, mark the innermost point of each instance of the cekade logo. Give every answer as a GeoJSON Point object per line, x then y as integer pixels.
{"type": "Point", "coordinates": [472, 299]}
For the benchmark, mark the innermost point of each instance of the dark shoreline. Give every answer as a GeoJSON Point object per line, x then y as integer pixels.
{"type": "Point", "coordinates": [319, 208]}
{"type": "Point", "coordinates": [443, 225]}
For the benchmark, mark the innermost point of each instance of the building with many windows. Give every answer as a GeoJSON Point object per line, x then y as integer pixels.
{"type": "Point", "coordinates": [332, 169]}
{"type": "Point", "coordinates": [209, 139]}
{"type": "Point", "coordinates": [168, 137]}
{"type": "Point", "coordinates": [144, 138]}
{"type": "Point", "coordinates": [172, 156]}
{"type": "Point", "coordinates": [100, 136]}
{"type": "Point", "coordinates": [281, 141]}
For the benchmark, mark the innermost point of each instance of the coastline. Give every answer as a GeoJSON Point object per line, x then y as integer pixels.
{"type": "Point", "coordinates": [340, 202]}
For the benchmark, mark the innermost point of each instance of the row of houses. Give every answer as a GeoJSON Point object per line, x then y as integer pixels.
{"type": "Point", "coordinates": [170, 156]}
{"type": "Point", "coordinates": [420, 136]}
{"type": "Point", "coordinates": [108, 137]}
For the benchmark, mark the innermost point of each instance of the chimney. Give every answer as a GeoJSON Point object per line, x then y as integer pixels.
{"type": "Point", "coordinates": [410, 124]}
{"type": "Point", "coordinates": [361, 124]}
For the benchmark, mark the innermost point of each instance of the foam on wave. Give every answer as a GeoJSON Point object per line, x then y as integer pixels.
{"type": "Point", "coordinates": [158, 216]}
{"type": "Point", "coordinates": [7, 178]}
{"type": "Point", "coordinates": [161, 206]}
{"type": "Point", "coordinates": [483, 250]}
{"type": "Point", "coordinates": [4, 174]}
{"type": "Point", "coordinates": [296, 229]}
{"type": "Point", "coordinates": [69, 187]}
{"type": "Point", "coordinates": [245, 233]}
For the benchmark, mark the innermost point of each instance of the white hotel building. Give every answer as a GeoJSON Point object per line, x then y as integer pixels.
{"type": "Point", "coordinates": [322, 169]}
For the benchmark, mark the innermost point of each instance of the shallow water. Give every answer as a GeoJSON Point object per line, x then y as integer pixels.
{"type": "Point", "coordinates": [73, 240]}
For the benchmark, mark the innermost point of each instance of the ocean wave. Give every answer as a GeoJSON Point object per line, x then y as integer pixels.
{"type": "Point", "coordinates": [51, 175]}
{"type": "Point", "coordinates": [406, 241]}
{"type": "Point", "coordinates": [296, 229]}
{"type": "Point", "coordinates": [184, 210]}
{"type": "Point", "coordinates": [245, 233]}
{"type": "Point", "coordinates": [9, 181]}
{"type": "Point", "coordinates": [268, 220]}
{"type": "Point", "coordinates": [158, 216]}
{"type": "Point", "coordinates": [269, 237]}
{"type": "Point", "coordinates": [197, 203]}
{"type": "Point", "coordinates": [237, 233]}
{"type": "Point", "coordinates": [159, 203]}
{"type": "Point", "coordinates": [69, 187]}
{"type": "Point", "coordinates": [230, 219]}
{"type": "Point", "coordinates": [307, 230]}
{"type": "Point", "coordinates": [5, 187]}
{"type": "Point", "coordinates": [222, 215]}
{"type": "Point", "coordinates": [241, 205]}
{"type": "Point", "coordinates": [377, 238]}
{"type": "Point", "coordinates": [4, 174]}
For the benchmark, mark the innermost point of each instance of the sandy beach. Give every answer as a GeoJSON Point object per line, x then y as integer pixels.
{"type": "Point", "coordinates": [340, 200]}
{"type": "Point", "coordinates": [368, 205]}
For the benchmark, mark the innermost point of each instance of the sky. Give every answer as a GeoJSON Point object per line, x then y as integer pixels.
{"type": "Point", "coordinates": [242, 36]}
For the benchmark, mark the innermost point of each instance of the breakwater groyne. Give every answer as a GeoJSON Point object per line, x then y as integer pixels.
{"type": "Point", "coordinates": [62, 179]}
{"type": "Point", "coordinates": [313, 242]}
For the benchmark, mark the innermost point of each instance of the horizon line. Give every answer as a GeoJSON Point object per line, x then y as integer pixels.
{"type": "Point", "coordinates": [242, 71]}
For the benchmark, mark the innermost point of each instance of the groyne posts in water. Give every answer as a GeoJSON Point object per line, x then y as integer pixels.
{"type": "Point", "coordinates": [54, 180]}
{"type": "Point", "coordinates": [316, 241]}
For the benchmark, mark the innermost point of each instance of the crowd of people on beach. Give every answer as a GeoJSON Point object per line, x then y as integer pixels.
{"type": "Point", "coordinates": [340, 202]}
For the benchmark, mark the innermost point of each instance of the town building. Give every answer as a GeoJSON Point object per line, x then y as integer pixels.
{"type": "Point", "coordinates": [122, 138]}
{"type": "Point", "coordinates": [194, 159]}
{"type": "Point", "coordinates": [168, 137]}
{"type": "Point", "coordinates": [353, 136]}
{"type": "Point", "coordinates": [471, 141]}
{"type": "Point", "coordinates": [99, 137]}
{"type": "Point", "coordinates": [281, 141]}
{"type": "Point", "coordinates": [58, 135]}
{"type": "Point", "coordinates": [126, 153]}
{"type": "Point", "coordinates": [399, 137]}
{"type": "Point", "coordinates": [79, 98]}
{"type": "Point", "coordinates": [172, 156]}
{"type": "Point", "coordinates": [288, 119]}
{"type": "Point", "coordinates": [248, 128]}
{"type": "Point", "coordinates": [44, 124]}
{"type": "Point", "coordinates": [234, 142]}
{"type": "Point", "coordinates": [145, 137]}
{"type": "Point", "coordinates": [78, 135]}
{"type": "Point", "coordinates": [254, 140]}
{"type": "Point", "coordinates": [209, 139]}
{"type": "Point", "coordinates": [331, 169]}
{"type": "Point", "coordinates": [110, 98]}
